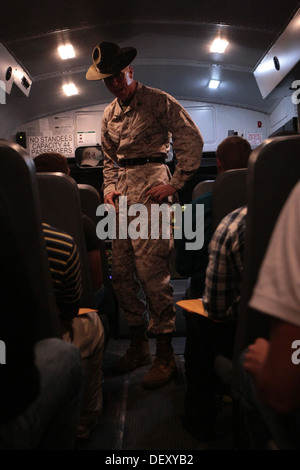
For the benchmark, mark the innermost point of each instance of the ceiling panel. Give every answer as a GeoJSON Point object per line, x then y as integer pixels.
{"type": "Point", "coordinates": [172, 39]}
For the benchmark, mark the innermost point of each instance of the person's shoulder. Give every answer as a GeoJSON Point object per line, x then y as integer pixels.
{"type": "Point", "coordinates": [110, 108]}
{"type": "Point", "coordinates": [145, 90]}
{"type": "Point", "coordinates": [57, 235]}
{"type": "Point", "coordinates": [294, 197]}
{"type": "Point", "coordinates": [238, 215]}
{"type": "Point", "coordinates": [234, 221]}
{"type": "Point", "coordinates": [205, 198]}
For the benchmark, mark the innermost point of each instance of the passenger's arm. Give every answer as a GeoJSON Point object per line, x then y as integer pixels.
{"type": "Point", "coordinates": [69, 297]}
{"type": "Point", "coordinates": [277, 294]}
{"type": "Point", "coordinates": [95, 268]}
{"type": "Point", "coordinates": [93, 250]}
{"type": "Point", "coordinates": [276, 377]}
{"type": "Point", "coordinates": [223, 275]}
{"type": "Point", "coordinates": [217, 296]}
{"type": "Point", "coordinates": [64, 263]}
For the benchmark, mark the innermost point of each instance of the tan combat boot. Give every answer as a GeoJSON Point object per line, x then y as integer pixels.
{"type": "Point", "coordinates": [138, 353]}
{"type": "Point", "coordinates": [164, 366]}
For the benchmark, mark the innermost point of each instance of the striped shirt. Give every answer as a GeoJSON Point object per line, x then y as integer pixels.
{"type": "Point", "coordinates": [65, 270]}
{"type": "Point", "coordinates": [224, 271]}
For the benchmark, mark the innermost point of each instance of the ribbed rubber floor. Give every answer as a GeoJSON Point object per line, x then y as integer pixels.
{"type": "Point", "coordinates": [137, 419]}
{"type": "Point", "coordinates": [153, 417]}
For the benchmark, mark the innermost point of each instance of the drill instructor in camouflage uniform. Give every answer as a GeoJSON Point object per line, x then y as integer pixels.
{"type": "Point", "coordinates": [135, 138]}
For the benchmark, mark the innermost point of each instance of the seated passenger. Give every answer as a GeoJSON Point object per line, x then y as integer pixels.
{"type": "Point", "coordinates": [56, 162]}
{"type": "Point", "coordinates": [51, 162]}
{"type": "Point", "coordinates": [221, 295]}
{"type": "Point", "coordinates": [207, 338]}
{"type": "Point", "coordinates": [201, 334]}
{"type": "Point", "coordinates": [232, 153]}
{"type": "Point", "coordinates": [50, 420]}
{"type": "Point", "coordinates": [83, 330]}
{"type": "Point", "coordinates": [271, 378]}
{"type": "Point", "coordinates": [41, 381]}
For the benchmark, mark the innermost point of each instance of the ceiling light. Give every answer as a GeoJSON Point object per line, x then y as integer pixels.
{"type": "Point", "coordinates": [70, 89]}
{"type": "Point", "coordinates": [214, 84]}
{"type": "Point", "coordinates": [219, 45]}
{"type": "Point", "coordinates": [66, 51]}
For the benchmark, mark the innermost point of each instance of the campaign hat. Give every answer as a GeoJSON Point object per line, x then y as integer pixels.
{"type": "Point", "coordinates": [108, 59]}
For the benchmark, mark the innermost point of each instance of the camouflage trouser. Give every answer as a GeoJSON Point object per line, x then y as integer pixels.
{"type": "Point", "coordinates": [144, 263]}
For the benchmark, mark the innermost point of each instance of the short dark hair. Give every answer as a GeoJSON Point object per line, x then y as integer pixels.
{"type": "Point", "coordinates": [233, 152]}
{"type": "Point", "coordinates": [51, 162]}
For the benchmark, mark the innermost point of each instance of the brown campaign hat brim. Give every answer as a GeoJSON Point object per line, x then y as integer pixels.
{"type": "Point", "coordinates": [94, 72]}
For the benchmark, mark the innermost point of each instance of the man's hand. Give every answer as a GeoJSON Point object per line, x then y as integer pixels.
{"type": "Point", "coordinates": [110, 198]}
{"type": "Point", "coordinates": [161, 192]}
{"type": "Point", "coordinates": [256, 356]}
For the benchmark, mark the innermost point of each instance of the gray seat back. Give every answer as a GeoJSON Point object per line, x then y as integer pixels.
{"type": "Point", "coordinates": [90, 200]}
{"type": "Point", "coordinates": [28, 311]}
{"type": "Point", "coordinates": [274, 169]}
{"type": "Point", "coordinates": [20, 202]}
{"type": "Point", "coordinates": [61, 208]}
{"type": "Point", "coordinates": [229, 193]}
{"type": "Point", "coordinates": [202, 188]}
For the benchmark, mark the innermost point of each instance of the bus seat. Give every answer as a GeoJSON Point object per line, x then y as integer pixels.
{"type": "Point", "coordinates": [20, 207]}
{"type": "Point", "coordinates": [61, 208]}
{"type": "Point", "coordinates": [185, 194]}
{"type": "Point", "coordinates": [90, 200]}
{"type": "Point", "coordinates": [28, 310]}
{"type": "Point", "coordinates": [229, 193]}
{"type": "Point", "coordinates": [202, 188]}
{"type": "Point", "coordinates": [274, 169]}
{"type": "Point", "coordinates": [92, 176]}
{"type": "Point", "coordinates": [19, 194]}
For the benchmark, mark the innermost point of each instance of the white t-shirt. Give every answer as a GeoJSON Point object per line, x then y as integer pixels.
{"type": "Point", "coordinates": [277, 291]}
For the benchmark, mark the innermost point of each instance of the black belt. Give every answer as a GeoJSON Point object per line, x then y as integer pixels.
{"type": "Point", "coordinates": [125, 162]}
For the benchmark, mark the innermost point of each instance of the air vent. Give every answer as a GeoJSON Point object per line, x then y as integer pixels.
{"type": "Point", "coordinates": [276, 63]}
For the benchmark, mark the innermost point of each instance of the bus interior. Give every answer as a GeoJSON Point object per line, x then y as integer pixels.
{"type": "Point", "coordinates": [257, 78]}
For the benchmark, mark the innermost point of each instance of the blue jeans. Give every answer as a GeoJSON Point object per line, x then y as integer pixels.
{"type": "Point", "coordinates": [263, 424]}
{"type": "Point", "coordinates": [50, 421]}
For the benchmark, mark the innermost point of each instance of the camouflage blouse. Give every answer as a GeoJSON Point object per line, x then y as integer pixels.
{"type": "Point", "coordinates": [144, 129]}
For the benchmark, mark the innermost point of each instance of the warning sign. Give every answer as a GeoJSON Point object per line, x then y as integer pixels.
{"type": "Point", "coordinates": [51, 143]}
{"type": "Point", "coordinates": [254, 138]}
